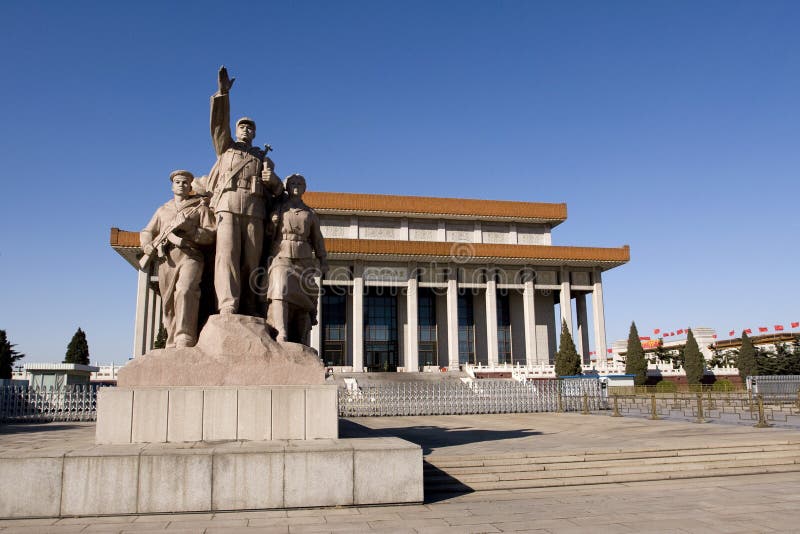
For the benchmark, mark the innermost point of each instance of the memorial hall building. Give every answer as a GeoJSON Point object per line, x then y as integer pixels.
{"type": "Point", "coordinates": [419, 283]}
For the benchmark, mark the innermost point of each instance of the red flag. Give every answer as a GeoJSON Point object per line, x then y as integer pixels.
{"type": "Point", "coordinates": [680, 332]}
{"type": "Point", "coordinates": [609, 351]}
{"type": "Point", "coordinates": [591, 353]}
{"type": "Point", "coordinates": [795, 325]}
{"type": "Point", "coordinates": [778, 327]}
{"type": "Point", "coordinates": [731, 333]}
{"type": "Point", "coordinates": [748, 331]}
{"type": "Point", "coordinates": [644, 338]}
{"type": "Point", "coordinates": [763, 329]}
{"type": "Point", "coordinates": [714, 336]}
{"type": "Point", "coordinates": [657, 331]}
{"type": "Point", "coordinates": [672, 333]}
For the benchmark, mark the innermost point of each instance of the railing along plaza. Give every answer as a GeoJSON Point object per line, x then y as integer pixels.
{"type": "Point", "coordinates": [36, 405]}
{"type": "Point", "coordinates": [476, 397]}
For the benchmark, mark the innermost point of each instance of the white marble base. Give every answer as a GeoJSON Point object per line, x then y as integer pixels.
{"type": "Point", "coordinates": [205, 477]}
{"type": "Point", "coordinates": [193, 413]}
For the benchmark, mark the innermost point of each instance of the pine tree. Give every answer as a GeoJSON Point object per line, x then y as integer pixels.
{"type": "Point", "coordinates": [694, 363]}
{"type": "Point", "coordinates": [746, 362]}
{"type": "Point", "coordinates": [161, 338]}
{"type": "Point", "coordinates": [568, 362]}
{"type": "Point", "coordinates": [78, 349]}
{"type": "Point", "coordinates": [7, 356]}
{"type": "Point", "coordinates": [635, 362]}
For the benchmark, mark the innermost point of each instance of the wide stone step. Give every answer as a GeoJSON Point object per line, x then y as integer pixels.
{"type": "Point", "coordinates": [590, 463]}
{"type": "Point", "coordinates": [451, 487]}
{"type": "Point", "coordinates": [617, 470]}
{"type": "Point", "coordinates": [514, 460]}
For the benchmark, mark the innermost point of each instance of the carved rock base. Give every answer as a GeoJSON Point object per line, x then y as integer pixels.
{"type": "Point", "coordinates": [232, 350]}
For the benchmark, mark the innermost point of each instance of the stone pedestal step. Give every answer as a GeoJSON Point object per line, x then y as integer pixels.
{"type": "Point", "coordinates": [517, 471]}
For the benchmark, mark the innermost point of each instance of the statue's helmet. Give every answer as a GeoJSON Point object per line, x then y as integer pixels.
{"type": "Point", "coordinates": [246, 120]}
{"type": "Point", "coordinates": [180, 172]}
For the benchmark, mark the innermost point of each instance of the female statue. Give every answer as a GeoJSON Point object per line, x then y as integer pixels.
{"type": "Point", "coordinates": [298, 256]}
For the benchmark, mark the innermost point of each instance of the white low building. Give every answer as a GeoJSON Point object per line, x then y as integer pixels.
{"type": "Point", "coordinates": [419, 282]}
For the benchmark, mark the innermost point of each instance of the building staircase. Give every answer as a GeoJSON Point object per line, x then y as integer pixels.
{"type": "Point", "coordinates": [459, 474]}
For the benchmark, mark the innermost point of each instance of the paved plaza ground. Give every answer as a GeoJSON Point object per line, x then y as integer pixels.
{"type": "Point", "coordinates": [754, 503]}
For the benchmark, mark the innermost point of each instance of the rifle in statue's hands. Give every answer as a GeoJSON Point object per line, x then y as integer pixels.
{"type": "Point", "coordinates": [162, 238]}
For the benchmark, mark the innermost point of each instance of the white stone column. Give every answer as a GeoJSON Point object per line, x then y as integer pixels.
{"type": "Point", "coordinates": [358, 317]}
{"type": "Point", "coordinates": [491, 320]}
{"type": "Point", "coordinates": [565, 302]}
{"type": "Point", "coordinates": [529, 310]}
{"type": "Point", "coordinates": [140, 322]}
{"type": "Point", "coordinates": [598, 314]}
{"type": "Point", "coordinates": [316, 330]}
{"type": "Point", "coordinates": [583, 327]}
{"type": "Point", "coordinates": [412, 312]}
{"type": "Point", "coordinates": [452, 319]}
{"type": "Point", "coordinates": [152, 320]}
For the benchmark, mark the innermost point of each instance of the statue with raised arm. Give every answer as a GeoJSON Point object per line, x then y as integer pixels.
{"type": "Point", "coordinates": [173, 238]}
{"type": "Point", "coordinates": [242, 184]}
{"type": "Point", "coordinates": [298, 257]}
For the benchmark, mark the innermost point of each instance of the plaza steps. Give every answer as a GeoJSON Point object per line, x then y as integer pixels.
{"type": "Point", "coordinates": [458, 474]}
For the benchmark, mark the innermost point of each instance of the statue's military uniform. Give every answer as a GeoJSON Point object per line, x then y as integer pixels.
{"type": "Point", "coordinates": [239, 202]}
{"type": "Point", "coordinates": [181, 268]}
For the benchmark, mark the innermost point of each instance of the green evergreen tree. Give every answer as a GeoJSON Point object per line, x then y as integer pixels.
{"type": "Point", "coordinates": [7, 356]}
{"type": "Point", "coordinates": [746, 361]}
{"type": "Point", "coordinates": [568, 362]}
{"type": "Point", "coordinates": [78, 349]}
{"type": "Point", "coordinates": [694, 363]}
{"type": "Point", "coordinates": [635, 362]}
{"type": "Point", "coordinates": [161, 338]}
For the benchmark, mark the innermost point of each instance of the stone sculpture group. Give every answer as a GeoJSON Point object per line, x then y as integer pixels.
{"type": "Point", "coordinates": [254, 222]}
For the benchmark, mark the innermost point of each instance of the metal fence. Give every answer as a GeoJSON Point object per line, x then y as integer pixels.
{"type": "Point", "coordinates": [483, 396]}
{"type": "Point", "coordinates": [722, 407]}
{"type": "Point", "coordinates": [20, 404]}
{"type": "Point", "coordinates": [775, 388]}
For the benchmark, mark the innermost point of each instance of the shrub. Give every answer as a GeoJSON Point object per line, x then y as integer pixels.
{"type": "Point", "coordinates": [723, 384]}
{"type": "Point", "coordinates": [666, 386]}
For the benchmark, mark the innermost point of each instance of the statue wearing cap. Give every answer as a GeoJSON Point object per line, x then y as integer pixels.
{"type": "Point", "coordinates": [174, 236]}
{"type": "Point", "coordinates": [242, 184]}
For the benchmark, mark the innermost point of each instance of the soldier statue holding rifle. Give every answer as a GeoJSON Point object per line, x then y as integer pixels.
{"type": "Point", "coordinates": [173, 238]}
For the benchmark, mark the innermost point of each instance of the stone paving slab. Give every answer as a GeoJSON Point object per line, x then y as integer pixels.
{"type": "Point", "coordinates": [753, 503]}
{"type": "Point", "coordinates": [757, 503]}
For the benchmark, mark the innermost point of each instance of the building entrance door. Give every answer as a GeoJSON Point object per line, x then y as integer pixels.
{"type": "Point", "coordinates": [380, 330]}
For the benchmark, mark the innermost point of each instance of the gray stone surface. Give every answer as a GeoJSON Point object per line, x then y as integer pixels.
{"type": "Point", "coordinates": [249, 479]}
{"type": "Point", "coordinates": [254, 414]}
{"type": "Point", "coordinates": [150, 415]}
{"type": "Point", "coordinates": [185, 417]}
{"type": "Point", "coordinates": [100, 482]}
{"type": "Point", "coordinates": [186, 414]}
{"type": "Point", "coordinates": [114, 415]}
{"type": "Point", "coordinates": [321, 415]}
{"type": "Point", "coordinates": [176, 482]}
{"type": "Point", "coordinates": [33, 486]}
{"type": "Point", "coordinates": [219, 414]}
{"type": "Point", "coordinates": [288, 413]}
{"type": "Point", "coordinates": [308, 464]}
{"type": "Point", "coordinates": [233, 350]}
{"type": "Point", "coordinates": [381, 476]}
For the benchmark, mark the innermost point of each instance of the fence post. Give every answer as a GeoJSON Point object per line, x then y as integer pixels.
{"type": "Point", "coordinates": [700, 417]}
{"type": "Point", "coordinates": [616, 407]}
{"type": "Point", "coordinates": [653, 412]}
{"type": "Point", "coordinates": [560, 402]}
{"type": "Point", "coordinates": [762, 420]}
{"type": "Point", "coordinates": [585, 404]}
{"type": "Point", "coordinates": [798, 400]}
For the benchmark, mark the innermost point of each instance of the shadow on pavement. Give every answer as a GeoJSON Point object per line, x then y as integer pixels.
{"type": "Point", "coordinates": [33, 426]}
{"type": "Point", "coordinates": [430, 437]}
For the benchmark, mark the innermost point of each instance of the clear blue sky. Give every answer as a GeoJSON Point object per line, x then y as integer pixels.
{"type": "Point", "coordinates": [669, 126]}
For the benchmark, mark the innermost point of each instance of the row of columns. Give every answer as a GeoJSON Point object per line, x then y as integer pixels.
{"type": "Point", "coordinates": [532, 356]}
{"type": "Point", "coordinates": [148, 320]}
